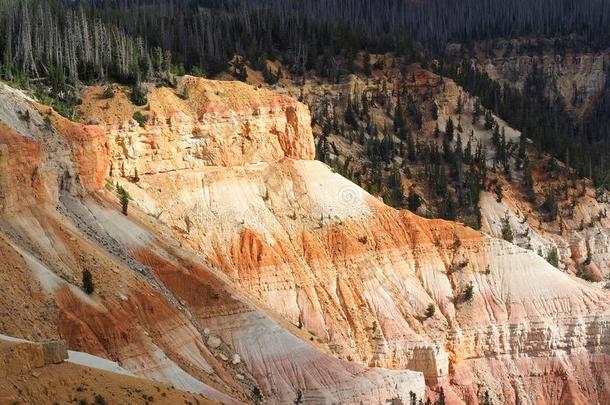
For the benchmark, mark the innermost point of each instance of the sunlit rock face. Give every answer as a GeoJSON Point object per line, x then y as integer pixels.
{"type": "Point", "coordinates": [357, 276]}
{"type": "Point", "coordinates": [159, 309]}
{"type": "Point", "coordinates": [245, 264]}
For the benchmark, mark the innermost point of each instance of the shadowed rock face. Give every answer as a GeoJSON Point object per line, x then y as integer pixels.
{"type": "Point", "coordinates": [253, 249]}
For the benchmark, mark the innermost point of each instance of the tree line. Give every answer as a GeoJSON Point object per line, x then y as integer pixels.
{"type": "Point", "coordinates": [90, 39]}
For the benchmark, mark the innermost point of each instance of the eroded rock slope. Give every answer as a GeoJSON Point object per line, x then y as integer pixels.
{"type": "Point", "coordinates": [353, 275]}
{"type": "Point", "coordinates": [161, 310]}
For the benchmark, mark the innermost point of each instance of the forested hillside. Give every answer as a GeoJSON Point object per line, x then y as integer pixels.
{"type": "Point", "coordinates": [132, 41]}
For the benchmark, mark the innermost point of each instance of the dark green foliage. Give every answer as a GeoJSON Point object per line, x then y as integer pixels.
{"type": "Point", "coordinates": [584, 273]}
{"type": "Point", "coordinates": [138, 95]}
{"type": "Point", "coordinates": [257, 396]}
{"type": "Point", "coordinates": [396, 194]}
{"type": "Point", "coordinates": [414, 201]}
{"type": "Point", "coordinates": [434, 111]}
{"type": "Point", "coordinates": [100, 400]}
{"type": "Point", "coordinates": [528, 181]}
{"type": "Point", "coordinates": [412, 398]}
{"type": "Point", "coordinates": [448, 209]}
{"type": "Point", "coordinates": [550, 206]}
{"type": "Point", "coordinates": [350, 115]}
{"type": "Point", "coordinates": [140, 118]}
{"type": "Point", "coordinates": [498, 193]}
{"type": "Point", "coordinates": [108, 92]}
{"type": "Point", "coordinates": [507, 230]}
{"type": "Point", "coordinates": [185, 94]}
{"type": "Point", "coordinates": [489, 120]}
{"type": "Point", "coordinates": [88, 285]}
{"type": "Point", "coordinates": [124, 198]}
{"type": "Point", "coordinates": [299, 398]}
{"type": "Point", "coordinates": [469, 292]}
{"type": "Point", "coordinates": [551, 128]}
{"type": "Point", "coordinates": [553, 257]}
{"type": "Point", "coordinates": [430, 311]}
{"type": "Point", "coordinates": [449, 130]}
{"type": "Point", "coordinates": [269, 76]}
{"type": "Point", "coordinates": [239, 69]}
{"type": "Point", "coordinates": [441, 397]}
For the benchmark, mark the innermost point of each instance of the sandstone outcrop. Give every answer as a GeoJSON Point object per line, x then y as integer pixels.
{"type": "Point", "coordinates": [575, 77]}
{"type": "Point", "coordinates": [237, 243]}
{"type": "Point", "coordinates": [358, 276]}
{"type": "Point", "coordinates": [154, 302]}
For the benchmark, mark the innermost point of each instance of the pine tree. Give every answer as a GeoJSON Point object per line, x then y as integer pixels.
{"type": "Point", "coordinates": [489, 120]}
{"type": "Point", "coordinates": [395, 186]}
{"type": "Point", "coordinates": [477, 111]}
{"type": "Point", "coordinates": [414, 201]}
{"type": "Point", "coordinates": [498, 193]}
{"type": "Point", "coordinates": [437, 131]}
{"type": "Point", "coordinates": [528, 181]}
{"type": "Point", "coordinates": [350, 115]}
{"type": "Point", "coordinates": [507, 230]}
{"type": "Point", "coordinates": [398, 118]}
{"type": "Point", "coordinates": [434, 111]}
{"type": "Point", "coordinates": [469, 292]}
{"type": "Point", "coordinates": [411, 152]}
{"type": "Point", "coordinates": [495, 137]}
{"type": "Point", "coordinates": [138, 94]}
{"type": "Point", "coordinates": [448, 208]}
{"type": "Point", "coordinates": [449, 130]}
{"type": "Point", "coordinates": [550, 206]}
{"type": "Point", "coordinates": [269, 77]}
{"type": "Point", "coordinates": [124, 198]}
{"type": "Point", "coordinates": [88, 285]}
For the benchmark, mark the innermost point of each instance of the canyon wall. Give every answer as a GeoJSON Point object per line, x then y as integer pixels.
{"type": "Point", "coordinates": [245, 268]}
{"type": "Point", "coordinates": [158, 309]}
{"type": "Point", "coordinates": [357, 277]}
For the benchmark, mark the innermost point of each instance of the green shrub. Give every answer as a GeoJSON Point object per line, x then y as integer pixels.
{"type": "Point", "coordinates": [136, 176]}
{"type": "Point", "coordinates": [185, 94]}
{"type": "Point", "coordinates": [430, 311]}
{"type": "Point", "coordinates": [553, 257]}
{"type": "Point", "coordinates": [140, 118]}
{"type": "Point", "coordinates": [100, 400]}
{"type": "Point", "coordinates": [469, 292]}
{"type": "Point", "coordinates": [269, 77]}
{"type": "Point", "coordinates": [124, 198]}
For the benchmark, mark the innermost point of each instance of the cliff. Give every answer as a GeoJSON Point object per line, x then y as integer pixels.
{"type": "Point", "coordinates": [357, 276]}
{"type": "Point", "coordinates": [160, 310]}
{"type": "Point", "coordinates": [246, 267]}
{"type": "Point", "coordinates": [572, 75]}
